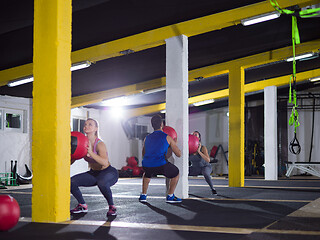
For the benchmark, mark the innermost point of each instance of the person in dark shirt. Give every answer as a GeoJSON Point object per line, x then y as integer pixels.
{"type": "Point", "coordinates": [200, 163]}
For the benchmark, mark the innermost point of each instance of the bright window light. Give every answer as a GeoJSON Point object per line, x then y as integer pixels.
{"type": "Point", "coordinates": [196, 104]}
{"type": "Point", "coordinates": [260, 18]}
{"type": "Point", "coordinates": [301, 56]}
{"type": "Point", "coordinates": [115, 102]}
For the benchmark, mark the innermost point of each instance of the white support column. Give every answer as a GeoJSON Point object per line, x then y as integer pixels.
{"type": "Point", "coordinates": [270, 133]}
{"type": "Point", "coordinates": [177, 110]}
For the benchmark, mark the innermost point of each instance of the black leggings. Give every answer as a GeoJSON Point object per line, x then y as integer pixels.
{"type": "Point", "coordinates": [104, 179]}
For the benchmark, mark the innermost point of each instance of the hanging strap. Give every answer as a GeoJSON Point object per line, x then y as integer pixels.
{"type": "Point", "coordinates": [294, 146]}
{"type": "Point", "coordinates": [301, 13]}
{"type": "Point", "coordinates": [295, 40]}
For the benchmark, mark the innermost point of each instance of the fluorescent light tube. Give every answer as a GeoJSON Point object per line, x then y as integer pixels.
{"type": "Point", "coordinates": [155, 90]}
{"type": "Point", "coordinates": [28, 79]}
{"type": "Point", "coordinates": [314, 79]}
{"type": "Point", "coordinates": [196, 104]}
{"type": "Point", "coordinates": [80, 65]}
{"type": "Point", "coordinates": [20, 81]}
{"type": "Point", "coordinates": [115, 102]}
{"type": "Point", "coordinates": [260, 18]}
{"type": "Point", "coordinates": [299, 57]}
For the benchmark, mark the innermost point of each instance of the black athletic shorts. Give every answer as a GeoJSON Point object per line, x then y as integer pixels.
{"type": "Point", "coordinates": [169, 170]}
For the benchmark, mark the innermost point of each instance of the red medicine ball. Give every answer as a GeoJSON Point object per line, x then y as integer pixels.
{"type": "Point", "coordinates": [136, 171]}
{"type": "Point", "coordinates": [9, 212]}
{"type": "Point", "coordinates": [126, 168]}
{"type": "Point", "coordinates": [79, 144]}
{"type": "Point", "coordinates": [132, 162]}
{"type": "Point", "coordinates": [193, 143]}
{"type": "Point", "coordinates": [170, 131]}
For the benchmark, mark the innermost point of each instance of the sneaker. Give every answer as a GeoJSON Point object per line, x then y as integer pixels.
{"type": "Point", "coordinates": [143, 198]}
{"type": "Point", "coordinates": [80, 208]}
{"type": "Point", "coordinates": [173, 199]}
{"type": "Point", "coordinates": [214, 192]}
{"type": "Point", "coordinates": [112, 211]}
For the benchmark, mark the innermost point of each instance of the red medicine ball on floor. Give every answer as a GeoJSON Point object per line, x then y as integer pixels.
{"type": "Point", "coordinates": [9, 212]}
{"type": "Point", "coordinates": [170, 131]}
{"type": "Point", "coordinates": [126, 168]}
{"type": "Point", "coordinates": [193, 143]}
{"type": "Point", "coordinates": [79, 144]}
{"type": "Point", "coordinates": [136, 171]}
{"type": "Point", "coordinates": [132, 162]}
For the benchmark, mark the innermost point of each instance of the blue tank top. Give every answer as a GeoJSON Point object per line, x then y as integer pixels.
{"type": "Point", "coordinates": [156, 147]}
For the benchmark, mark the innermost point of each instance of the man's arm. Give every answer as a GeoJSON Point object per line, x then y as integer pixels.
{"type": "Point", "coordinates": [174, 146]}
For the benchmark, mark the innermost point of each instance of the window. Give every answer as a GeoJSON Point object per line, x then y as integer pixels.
{"type": "Point", "coordinates": [140, 131]}
{"type": "Point", "coordinates": [78, 124]}
{"type": "Point", "coordinates": [13, 120]}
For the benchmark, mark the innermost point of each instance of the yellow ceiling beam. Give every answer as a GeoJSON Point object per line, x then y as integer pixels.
{"type": "Point", "coordinates": [250, 87]}
{"type": "Point", "coordinates": [116, 92]}
{"type": "Point", "coordinates": [15, 73]}
{"type": "Point", "coordinates": [156, 37]}
{"type": "Point", "coordinates": [280, 81]}
{"type": "Point", "coordinates": [205, 72]}
{"type": "Point", "coordinates": [144, 110]}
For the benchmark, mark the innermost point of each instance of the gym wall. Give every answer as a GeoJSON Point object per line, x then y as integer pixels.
{"type": "Point", "coordinates": [16, 141]}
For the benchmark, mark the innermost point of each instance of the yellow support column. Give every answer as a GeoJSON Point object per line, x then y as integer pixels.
{"type": "Point", "coordinates": [51, 111]}
{"type": "Point", "coordinates": [236, 126]}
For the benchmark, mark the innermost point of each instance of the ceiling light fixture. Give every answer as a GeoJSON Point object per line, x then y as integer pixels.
{"type": "Point", "coordinates": [154, 90]}
{"type": "Point", "coordinates": [20, 81]}
{"type": "Point", "coordinates": [24, 80]}
{"type": "Point", "coordinates": [198, 79]}
{"type": "Point", "coordinates": [80, 65]}
{"type": "Point", "coordinates": [196, 104]}
{"type": "Point", "coordinates": [301, 56]}
{"type": "Point", "coordinates": [315, 79]}
{"type": "Point", "coordinates": [163, 111]}
{"type": "Point", "coordinates": [115, 102]}
{"type": "Point", "coordinates": [260, 18]}
{"type": "Point", "coordinates": [126, 52]}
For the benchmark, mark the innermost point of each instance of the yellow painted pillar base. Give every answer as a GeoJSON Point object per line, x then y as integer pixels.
{"type": "Point", "coordinates": [236, 126]}
{"type": "Point", "coordinates": [51, 111]}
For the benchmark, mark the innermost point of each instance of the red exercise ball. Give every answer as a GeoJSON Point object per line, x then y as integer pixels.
{"type": "Point", "coordinates": [9, 212]}
{"type": "Point", "coordinates": [136, 171]}
{"type": "Point", "coordinates": [193, 143]}
{"type": "Point", "coordinates": [79, 144]}
{"type": "Point", "coordinates": [132, 162]}
{"type": "Point", "coordinates": [126, 168]}
{"type": "Point", "coordinates": [170, 131]}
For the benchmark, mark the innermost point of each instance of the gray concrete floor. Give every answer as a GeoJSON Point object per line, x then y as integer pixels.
{"type": "Point", "coordinates": [260, 210]}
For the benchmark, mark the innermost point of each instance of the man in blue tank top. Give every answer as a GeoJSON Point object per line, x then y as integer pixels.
{"type": "Point", "coordinates": [154, 161]}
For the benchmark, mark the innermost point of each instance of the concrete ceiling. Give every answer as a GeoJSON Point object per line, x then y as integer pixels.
{"type": "Point", "coordinates": [109, 22]}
